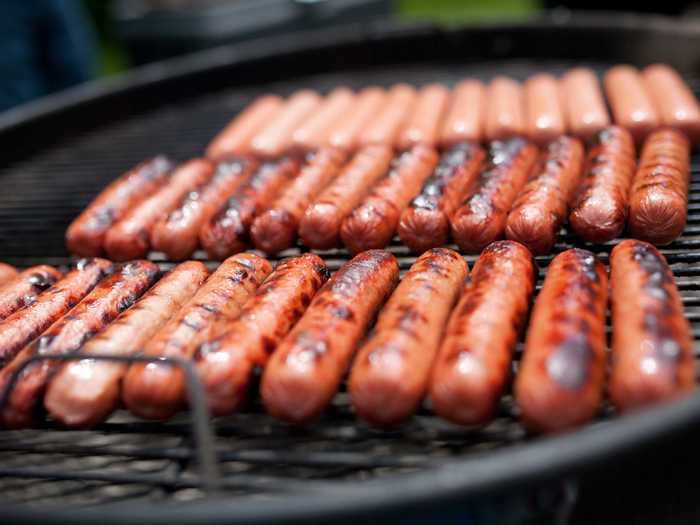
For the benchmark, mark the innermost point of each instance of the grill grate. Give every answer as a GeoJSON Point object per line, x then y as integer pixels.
{"type": "Point", "coordinates": [126, 459]}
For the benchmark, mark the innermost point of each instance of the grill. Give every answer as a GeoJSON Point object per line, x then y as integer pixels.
{"type": "Point", "coordinates": [247, 468]}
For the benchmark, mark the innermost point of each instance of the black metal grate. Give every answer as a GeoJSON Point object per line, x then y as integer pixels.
{"type": "Point", "coordinates": [259, 458]}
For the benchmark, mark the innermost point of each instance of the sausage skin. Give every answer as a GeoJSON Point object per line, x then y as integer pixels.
{"type": "Point", "coordinates": [22, 327]}
{"type": "Point", "coordinates": [314, 132]}
{"type": "Point", "coordinates": [425, 223]}
{"type": "Point", "coordinates": [584, 105]}
{"type": "Point", "coordinates": [345, 132]}
{"type": "Point", "coordinates": [673, 99]}
{"type": "Point", "coordinates": [482, 215]}
{"type": "Point", "coordinates": [226, 364]}
{"type": "Point", "coordinates": [560, 381]}
{"type": "Point", "coordinates": [158, 391]}
{"type": "Point", "coordinates": [631, 105]}
{"type": "Point", "coordinates": [423, 126]}
{"type": "Point", "coordinates": [599, 208]}
{"type": "Point", "coordinates": [177, 233]}
{"type": "Point", "coordinates": [84, 393]}
{"type": "Point", "coordinates": [320, 226]}
{"type": "Point", "coordinates": [236, 137]}
{"type": "Point", "coordinates": [544, 114]}
{"type": "Point", "coordinates": [373, 223]}
{"type": "Point", "coordinates": [505, 116]}
{"type": "Point", "coordinates": [652, 345]}
{"type": "Point", "coordinates": [25, 288]}
{"type": "Point", "coordinates": [391, 372]}
{"type": "Point", "coordinates": [276, 229]}
{"type": "Point", "coordinates": [542, 207]}
{"type": "Point", "coordinates": [474, 360]}
{"type": "Point", "coordinates": [305, 371]}
{"type": "Point", "coordinates": [130, 238]}
{"type": "Point", "coordinates": [464, 121]}
{"type": "Point", "coordinates": [86, 234]}
{"type": "Point", "coordinates": [384, 129]}
{"type": "Point", "coordinates": [104, 303]}
{"type": "Point", "coordinates": [7, 273]}
{"type": "Point", "coordinates": [659, 198]}
{"type": "Point", "coordinates": [228, 230]}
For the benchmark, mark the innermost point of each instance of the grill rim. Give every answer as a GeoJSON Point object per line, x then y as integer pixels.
{"type": "Point", "coordinates": [537, 461]}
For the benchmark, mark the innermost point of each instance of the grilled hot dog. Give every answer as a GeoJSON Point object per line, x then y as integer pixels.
{"type": "Point", "coordinates": [24, 289]}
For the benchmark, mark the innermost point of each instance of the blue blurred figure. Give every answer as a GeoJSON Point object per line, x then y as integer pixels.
{"type": "Point", "coordinates": [45, 46]}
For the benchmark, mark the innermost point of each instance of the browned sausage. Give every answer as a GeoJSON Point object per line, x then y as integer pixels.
{"type": "Point", "coordinates": [24, 289]}
{"type": "Point", "coordinates": [22, 327]}
{"type": "Point", "coordinates": [423, 126]}
{"type": "Point", "coordinates": [542, 207]}
{"type": "Point", "coordinates": [373, 223]}
{"type": "Point", "coordinates": [7, 273]}
{"type": "Point", "coordinates": [584, 105]}
{"type": "Point", "coordinates": [630, 103]}
{"type": "Point", "coordinates": [474, 360]}
{"type": "Point", "coordinates": [391, 371]}
{"type": "Point", "coordinates": [464, 121]}
{"type": "Point", "coordinates": [228, 230]}
{"type": "Point", "coordinates": [599, 208]}
{"type": "Point", "coordinates": [482, 215]}
{"type": "Point", "coordinates": [130, 237]}
{"type": "Point", "coordinates": [303, 374]}
{"type": "Point", "coordinates": [560, 381]}
{"type": "Point", "coordinates": [86, 234]}
{"type": "Point", "coordinates": [105, 302]}
{"type": "Point", "coordinates": [425, 223]}
{"type": "Point", "coordinates": [177, 234]}
{"type": "Point", "coordinates": [652, 345]}
{"type": "Point", "coordinates": [157, 391]}
{"type": "Point", "coordinates": [505, 116]}
{"type": "Point", "coordinates": [675, 102]}
{"type": "Point", "coordinates": [544, 115]}
{"type": "Point", "coordinates": [320, 226]}
{"type": "Point", "coordinates": [276, 138]}
{"type": "Point", "coordinates": [384, 128]}
{"type": "Point", "coordinates": [84, 393]}
{"type": "Point", "coordinates": [345, 132]}
{"type": "Point", "coordinates": [314, 132]}
{"type": "Point", "coordinates": [226, 364]}
{"type": "Point", "coordinates": [659, 197]}
{"type": "Point", "coordinates": [276, 229]}
{"type": "Point", "coordinates": [235, 138]}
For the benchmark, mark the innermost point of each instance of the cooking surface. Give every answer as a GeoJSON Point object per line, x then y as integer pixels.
{"type": "Point", "coordinates": [127, 459]}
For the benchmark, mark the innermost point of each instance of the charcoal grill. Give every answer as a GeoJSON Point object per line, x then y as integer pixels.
{"type": "Point", "coordinates": [58, 153]}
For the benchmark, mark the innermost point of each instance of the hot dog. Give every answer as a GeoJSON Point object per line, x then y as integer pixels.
{"type": "Point", "coordinates": [373, 223]}
{"type": "Point", "coordinates": [225, 365]}
{"type": "Point", "coordinates": [542, 206]}
{"type": "Point", "coordinates": [345, 132]}
{"type": "Point", "coordinates": [320, 226]}
{"type": "Point", "coordinates": [631, 105]}
{"type": "Point", "coordinates": [177, 234]}
{"type": "Point", "coordinates": [157, 391]}
{"type": "Point", "coordinates": [303, 374]}
{"type": "Point", "coordinates": [473, 363]}
{"type": "Point", "coordinates": [275, 138]}
{"type": "Point", "coordinates": [130, 237]}
{"type": "Point", "coordinates": [384, 128]}
{"type": "Point", "coordinates": [464, 121]}
{"type": "Point", "coordinates": [84, 393]}
{"type": "Point", "coordinates": [235, 138]}
{"type": "Point", "coordinates": [276, 229]}
{"type": "Point", "coordinates": [560, 381]}
{"type": "Point", "coordinates": [652, 345]}
{"type": "Point", "coordinates": [22, 327]}
{"type": "Point", "coordinates": [391, 371]}
{"type": "Point", "coordinates": [544, 115]}
{"type": "Point", "coordinates": [7, 273]}
{"type": "Point", "coordinates": [425, 223]}
{"type": "Point", "coordinates": [659, 197]}
{"type": "Point", "coordinates": [85, 236]}
{"type": "Point", "coordinates": [423, 126]}
{"type": "Point", "coordinates": [24, 289]}
{"type": "Point", "coordinates": [105, 302]}
{"type": "Point", "coordinates": [584, 105]}
{"type": "Point", "coordinates": [673, 99]}
{"type": "Point", "coordinates": [228, 230]}
{"type": "Point", "coordinates": [505, 116]}
{"type": "Point", "coordinates": [482, 215]}
{"type": "Point", "coordinates": [599, 207]}
{"type": "Point", "coordinates": [314, 132]}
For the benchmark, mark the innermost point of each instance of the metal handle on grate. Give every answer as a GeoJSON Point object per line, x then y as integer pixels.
{"type": "Point", "coordinates": [205, 441]}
